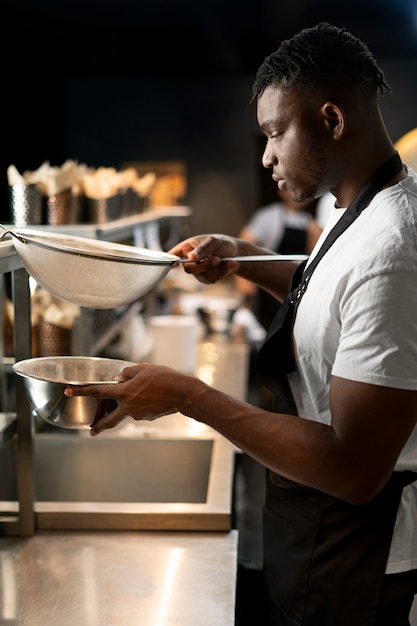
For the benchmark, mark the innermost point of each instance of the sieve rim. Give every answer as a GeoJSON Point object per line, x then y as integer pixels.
{"type": "Point", "coordinates": [93, 248]}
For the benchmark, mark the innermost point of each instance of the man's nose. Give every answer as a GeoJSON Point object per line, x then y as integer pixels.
{"type": "Point", "coordinates": [268, 158]}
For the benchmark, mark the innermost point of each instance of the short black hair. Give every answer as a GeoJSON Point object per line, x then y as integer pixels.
{"type": "Point", "coordinates": [318, 55]}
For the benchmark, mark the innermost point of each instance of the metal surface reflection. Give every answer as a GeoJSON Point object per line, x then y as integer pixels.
{"type": "Point", "coordinates": [169, 581]}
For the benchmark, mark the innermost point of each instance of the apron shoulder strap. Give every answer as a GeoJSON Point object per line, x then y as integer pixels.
{"type": "Point", "coordinates": [381, 177]}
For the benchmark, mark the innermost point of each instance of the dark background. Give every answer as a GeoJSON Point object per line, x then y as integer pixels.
{"type": "Point", "coordinates": [116, 81]}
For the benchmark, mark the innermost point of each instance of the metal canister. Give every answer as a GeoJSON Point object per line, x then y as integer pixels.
{"type": "Point", "coordinates": [63, 208]}
{"type": "Point", "coordinates": [25, 204]}
{"type": "Point", "coordinates": [102, 210]}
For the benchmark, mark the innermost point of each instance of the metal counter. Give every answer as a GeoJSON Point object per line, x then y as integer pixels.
{"type": "Point", "coordinates": [118, 579]}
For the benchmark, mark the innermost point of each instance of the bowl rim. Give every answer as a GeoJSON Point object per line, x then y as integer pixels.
{"type": "Point", "coordinates": [17, 368]}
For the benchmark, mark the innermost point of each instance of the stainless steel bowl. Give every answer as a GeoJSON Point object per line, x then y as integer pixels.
{"type": "Point", "coordinates": [45, 379]}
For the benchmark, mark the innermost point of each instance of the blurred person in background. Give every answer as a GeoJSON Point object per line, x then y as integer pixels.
{"type": "Point", "coordinates": [286, 227]}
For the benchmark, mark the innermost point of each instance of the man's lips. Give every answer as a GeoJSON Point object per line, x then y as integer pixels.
{"type": "Point", "coordinates": [280, 182]}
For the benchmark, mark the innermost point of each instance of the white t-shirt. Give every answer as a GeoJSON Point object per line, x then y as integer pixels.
{"type": "Point", "coordinates": [358, 320]}
{"type": "Point", "coordinates": [268, 224]}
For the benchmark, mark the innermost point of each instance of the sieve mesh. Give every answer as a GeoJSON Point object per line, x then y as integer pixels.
{"type": "Point", "coordinates": [90, 273]}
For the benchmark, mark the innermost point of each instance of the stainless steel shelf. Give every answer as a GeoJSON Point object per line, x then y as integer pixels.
{"type": "Point", "coordinates": [9, 259]}
{"type": "Point", "coordinates": [117, 229]}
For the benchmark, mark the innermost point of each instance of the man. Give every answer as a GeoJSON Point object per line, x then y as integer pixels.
{"type": "Point", "coordinates": [340, 547]}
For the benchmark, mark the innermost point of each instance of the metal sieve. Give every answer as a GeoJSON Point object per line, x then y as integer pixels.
{"type": "Point", "coordinates": [98, 274]}
{"type": "Point", "coordinates": [88, 272]}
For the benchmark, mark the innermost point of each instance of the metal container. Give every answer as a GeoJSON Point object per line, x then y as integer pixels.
{"type": "Point", "coordinates": [25, 204]}
{"type": "Point", "coordinates": [103, 210]}
{"type": "Point", "coordinates": [54, 340]}
{"type": "Point", "coordinates": [63, 208]}
{"type": "Point", "coordinates": [45, 379]}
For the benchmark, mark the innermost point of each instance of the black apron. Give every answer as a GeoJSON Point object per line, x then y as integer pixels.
{"type": "Point", "coordinates": [324, 559]}
{"type": "Point", "coordinates": [294, 241]}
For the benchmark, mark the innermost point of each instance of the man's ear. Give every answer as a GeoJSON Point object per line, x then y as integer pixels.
{"type": "Point", "coordinates": [334, 117]}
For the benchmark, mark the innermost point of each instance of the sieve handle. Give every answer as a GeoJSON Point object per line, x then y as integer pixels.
{"type": "Point", "coordinates": [5, 232]}
{"type": "Point", "coordinates": [8, 231]}
{"type": "Point", "coordinates": [256, 257]}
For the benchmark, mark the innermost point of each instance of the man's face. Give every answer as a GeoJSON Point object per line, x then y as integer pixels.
{"type": "Point", "coordinates": [293, 150]}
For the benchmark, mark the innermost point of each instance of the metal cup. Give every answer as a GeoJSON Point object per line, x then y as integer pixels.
{"type": "Point", "coordinates": [102, 210]}
{"type": "Point", "coordinates": [54, 340]}
{"type": "Point", "coordinates": [62, 208]}
{"type": "Point", "coordinates": [25, 204]}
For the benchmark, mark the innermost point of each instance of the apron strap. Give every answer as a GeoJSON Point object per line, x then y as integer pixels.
{"type": "Point", "coordinates": [381, 177]}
